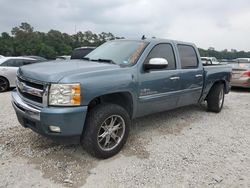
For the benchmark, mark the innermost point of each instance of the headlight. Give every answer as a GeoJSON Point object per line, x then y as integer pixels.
{"type": "Point", "coordinates": [65, 95]}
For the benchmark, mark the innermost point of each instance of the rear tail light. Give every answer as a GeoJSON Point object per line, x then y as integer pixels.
{"type": "Point", "coordinates": [246, 74]}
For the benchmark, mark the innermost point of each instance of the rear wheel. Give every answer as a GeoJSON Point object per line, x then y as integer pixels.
{"type": "Point", "coordinates": [4, 84]}
{"type": "Point", "coordinates": [215, 99]}
{"type": "Point", "coordinates": [106, 130]}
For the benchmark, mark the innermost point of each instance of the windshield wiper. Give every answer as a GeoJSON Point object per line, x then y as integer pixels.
{"type": "Point", "coordinates": [86, 58]}
{"type": "Point", "coordinates": [103, 60]}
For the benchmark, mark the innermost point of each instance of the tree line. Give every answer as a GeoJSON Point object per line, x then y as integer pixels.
{"type": "Point", "coordinates": [225, 54]}
{"type": "Point", "coordinates": [24, 40]}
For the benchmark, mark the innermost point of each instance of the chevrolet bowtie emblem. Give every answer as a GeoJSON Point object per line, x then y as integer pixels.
{"type": "Point", "coordinates": [20, 85]}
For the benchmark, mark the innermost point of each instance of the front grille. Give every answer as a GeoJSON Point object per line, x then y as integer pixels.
{"type": "Point", "coordinates": [31, 84]}
{"type": "Point", "coordinates": [31, 97]}
{"type": "Point", "coordinates": [30, 90]}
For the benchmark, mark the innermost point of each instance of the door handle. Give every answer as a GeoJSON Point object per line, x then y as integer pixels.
{"type": "Point", "coordinates": [175, 78]}
{"type": "Point", "coordinates": [198, 75]}
{"type": "Point", "coordinates": [4, 69]}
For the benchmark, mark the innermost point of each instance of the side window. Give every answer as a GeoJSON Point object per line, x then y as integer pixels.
{"type": "Point", "coordinates": [163, 51]}
{"type": "Point", "coordinates": [4, 64]}
{"type": "Point", "coordinates": [28, 62]}
{"type": "Point", "coordinates": [188, 56]}
{"type": "Point", "coordinates": [11, 63]}
{"type": "Point", "coordinates": [18, 63]}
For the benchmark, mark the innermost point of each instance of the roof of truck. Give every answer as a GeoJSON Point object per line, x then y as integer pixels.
{"type": "Point", "coordinates": [85, 47]}
{"type": "Point", "coordinates": [157, 40]}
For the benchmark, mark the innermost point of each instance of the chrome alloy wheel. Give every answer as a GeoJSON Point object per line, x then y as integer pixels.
{"type": "Point", "coordinates": [221, 96]}
{"type": "Point", "coordinates": [111, 132]}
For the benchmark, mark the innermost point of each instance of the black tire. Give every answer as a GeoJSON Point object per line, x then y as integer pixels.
{"type": "Point", "coordinates": [215, 99]}
{"type": "Point", "coordinates": [4, 84]}
{"type": "Point", "coordinates": [95, 119]}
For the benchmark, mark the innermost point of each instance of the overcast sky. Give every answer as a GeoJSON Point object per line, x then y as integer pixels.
{"type": "Point", "coordinates": [217, 23]}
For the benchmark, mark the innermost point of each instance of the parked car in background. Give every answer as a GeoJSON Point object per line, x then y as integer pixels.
{"type": "Point", "coordinates": [63, 57]}
{"type": "Point", "coordinates": [8, 69]}
{"type": "Point", "coordinates": [206, 61]}
{"type": "Point", "coordinates": [77, 53]}
{"type": "Point", "coordinates": [243, 60]}
{"type": "Point", "coordinates": [240, 72]}
{"type": "Point", "coordinates": [95, 99]}
{"type": "Point", "coordinates": [81, 52]}
{"type": "Point", "coordinates": [209, 61]}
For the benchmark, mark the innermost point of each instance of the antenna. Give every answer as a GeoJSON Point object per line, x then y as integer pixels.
{"type": "Point", "coordinates": [143, 37]}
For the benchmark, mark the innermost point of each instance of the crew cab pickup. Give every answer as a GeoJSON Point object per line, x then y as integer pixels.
{"type": "Point", "coordinates": [93, 100]}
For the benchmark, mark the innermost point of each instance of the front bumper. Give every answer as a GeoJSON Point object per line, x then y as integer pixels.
{"type": "Point", "coordinates": [69, 119]}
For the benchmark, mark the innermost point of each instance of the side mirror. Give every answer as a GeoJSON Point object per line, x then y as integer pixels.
{"type": "Point", "coordinates": [156, 63]}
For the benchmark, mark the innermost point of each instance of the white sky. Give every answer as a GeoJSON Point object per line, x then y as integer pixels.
{"type": "Point", "coordinates": [208, 23]}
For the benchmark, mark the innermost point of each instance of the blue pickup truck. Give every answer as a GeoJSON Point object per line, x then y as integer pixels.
{"type": "Point", "coordinates": [92, 101]}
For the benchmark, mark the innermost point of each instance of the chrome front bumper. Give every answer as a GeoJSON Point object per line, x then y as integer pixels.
{"type": "Point", "coordinates": [24, 108]}
{"type": "Point", "coordinates": [70, 120]}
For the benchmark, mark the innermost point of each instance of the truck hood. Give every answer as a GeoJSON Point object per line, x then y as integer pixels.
{"type": "Point", "coordinates": [54, 71]}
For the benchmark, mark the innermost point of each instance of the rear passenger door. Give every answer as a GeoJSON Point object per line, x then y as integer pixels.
{"type": "Point", "coordinates": [191, 75]}
{"type": "Point", "coordinates": [158, 89]}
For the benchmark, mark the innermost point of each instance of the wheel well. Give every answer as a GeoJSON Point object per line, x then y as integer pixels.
{"type": "Point", "coordinates": [220, 82]}
{"type": "Point", "coordinates": [217, 82]}
{"type": "Point", "coordinates": [6, 79]}
{"type": "Point", "coordinates": [124, 99]}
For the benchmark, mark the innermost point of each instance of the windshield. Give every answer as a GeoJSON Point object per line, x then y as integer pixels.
{"type": "Point", "coordinates": [121, 52]}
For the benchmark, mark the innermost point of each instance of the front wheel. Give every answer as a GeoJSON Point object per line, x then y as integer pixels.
{"type": "Point", "coordinates": [215, 99]}
{"type": "Point", "coordinates": [106, 130]}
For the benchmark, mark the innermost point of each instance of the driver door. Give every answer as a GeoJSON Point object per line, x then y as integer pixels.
{"type": "Point", "coordinates": [158, 89]}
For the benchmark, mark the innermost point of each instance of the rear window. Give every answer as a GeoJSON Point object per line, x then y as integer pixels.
{"type": "Point", "coordinates": [188, 56]}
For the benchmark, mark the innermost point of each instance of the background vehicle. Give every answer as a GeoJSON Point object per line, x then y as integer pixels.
{"type": "Point", "coordinates": [1, 56]}
{"type": "Point", "coordinates": [63, 57]}
{"type": "Point", "coordinates": [38, 58]}
{"type": "Point", "coordinates": [240, 72]}
{"type": "Point", "coordinates": [209, 61]}
{"type": "Point", "coordinates": [8, 69]}
{"type": "Point", "coordinates": [243, 60]}
{"type": "Point", "coordinates": [81, 52]}
{"type": "Point", "coordinates": [93, 100]}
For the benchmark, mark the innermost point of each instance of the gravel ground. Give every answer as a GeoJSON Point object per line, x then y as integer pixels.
{"type": "Point", "coordinates": [187, 147]}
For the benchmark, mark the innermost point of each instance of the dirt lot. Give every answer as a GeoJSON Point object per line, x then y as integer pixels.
{"type": "Point", "coordinates": [188, 147]}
